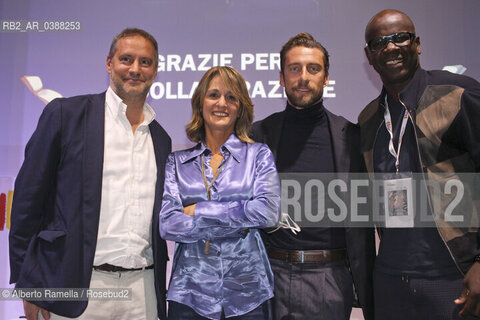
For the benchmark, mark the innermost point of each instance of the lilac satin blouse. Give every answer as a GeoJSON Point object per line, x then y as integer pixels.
{"type": "Point", "coordinates": [235, 275]}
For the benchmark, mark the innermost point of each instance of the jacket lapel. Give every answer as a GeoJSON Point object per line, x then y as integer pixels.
{"type": "Point", "coordinates": [340, 145]}
{"type": "Point", "coordinates": [160, 158]}
{"type": "Point", "coordinates": [93, 164]}
{"type": "Point", "coordinates": [274, 128]}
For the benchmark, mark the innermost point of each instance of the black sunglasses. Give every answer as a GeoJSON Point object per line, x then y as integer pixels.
{"type": "Point", "coordinates": [400, 39]}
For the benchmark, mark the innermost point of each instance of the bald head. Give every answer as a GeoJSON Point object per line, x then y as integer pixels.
{"type": "Point", "coordinates": [385, 19]}
{"type": "Point", "coordinates": [393, 49]}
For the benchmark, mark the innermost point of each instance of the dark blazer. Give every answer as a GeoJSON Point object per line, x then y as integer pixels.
{"type": "Point", "coordinates": [56, 205]}
{"type": "Point", "coordinates": [347, 158]}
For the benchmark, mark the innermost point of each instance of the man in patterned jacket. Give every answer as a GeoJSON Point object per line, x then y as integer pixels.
{"type": "Point", "coordinates": [424, 122]}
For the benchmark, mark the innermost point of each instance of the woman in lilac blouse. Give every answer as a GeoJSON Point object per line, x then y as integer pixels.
{"type": "Point", "coordinates": [217, 195]}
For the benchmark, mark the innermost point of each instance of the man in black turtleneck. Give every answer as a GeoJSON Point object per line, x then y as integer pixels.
{"type": "Point", "coordinates": [317, 268]}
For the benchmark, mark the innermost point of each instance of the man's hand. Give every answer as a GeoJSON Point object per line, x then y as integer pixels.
{"type": "Point", "coordinates": [470, 296]}
{"type": "Point", "coordinates": [31, 311]}
{"type": "Point", "coordinates": [190, 210]}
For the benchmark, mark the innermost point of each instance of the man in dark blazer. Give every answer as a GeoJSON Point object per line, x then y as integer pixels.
{"type": "Point", "coordinates": [85, 210]}
{"type": "Point", "coordinates": [316, 268]}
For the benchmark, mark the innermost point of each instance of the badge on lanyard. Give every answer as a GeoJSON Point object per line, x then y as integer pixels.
{"type": "Point", "coordinates": [398, 203]}
{"type": "Point", "coordinates": [398, 191]}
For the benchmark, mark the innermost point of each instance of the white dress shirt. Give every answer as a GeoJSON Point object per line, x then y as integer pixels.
{"type": "Point", "coordinates": [128, 189]}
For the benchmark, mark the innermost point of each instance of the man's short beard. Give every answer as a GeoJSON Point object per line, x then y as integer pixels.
{"type": "Point", "coordinates": [299, 103]}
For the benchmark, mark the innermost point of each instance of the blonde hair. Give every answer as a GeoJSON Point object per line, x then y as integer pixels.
{"type": "Point", "coordinates": [235, 82]}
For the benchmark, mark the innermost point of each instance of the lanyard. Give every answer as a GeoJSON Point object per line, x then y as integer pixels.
{"type": "Point", "coordinates": [388, 124]}
{"type": "Point", "coordinates": [209, 186]}
{"type": "Point", "coordinates": [206, 250]}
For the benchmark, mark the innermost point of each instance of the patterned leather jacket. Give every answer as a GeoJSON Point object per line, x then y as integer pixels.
{"type": "Point", "coordinates": [445, 110]}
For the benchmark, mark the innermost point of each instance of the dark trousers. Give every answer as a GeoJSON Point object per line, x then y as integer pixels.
{"type": "Point", "coordinates": [402, 297]}
{"type": "Point", "coordinates": [311, 291]}
{"type": "Point", "coordinates": [178, 311]}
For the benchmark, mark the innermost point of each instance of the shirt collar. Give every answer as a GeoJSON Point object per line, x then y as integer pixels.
{"type": "Point", "coordinates": [308, 115]}
{"type": "Point", "coordinates": [117, 107]}
{"type": "Point", "coordinates": [316, 108]}
{"type": "Point", "coordinates": [412, 93]}
{"type": "Point", "coordinates": [233, 146]}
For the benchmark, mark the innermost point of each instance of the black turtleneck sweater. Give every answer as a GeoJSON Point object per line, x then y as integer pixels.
{"type": "Point", "coordinates": [306, 146]}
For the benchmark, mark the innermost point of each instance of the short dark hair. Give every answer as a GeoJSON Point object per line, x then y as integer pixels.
{"type": "Point", "coordinates": [303, 39]}
{"type": "Point", "coordinates": [235, 82]}
{"type": "Point", "coordinates": [131, 32]}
